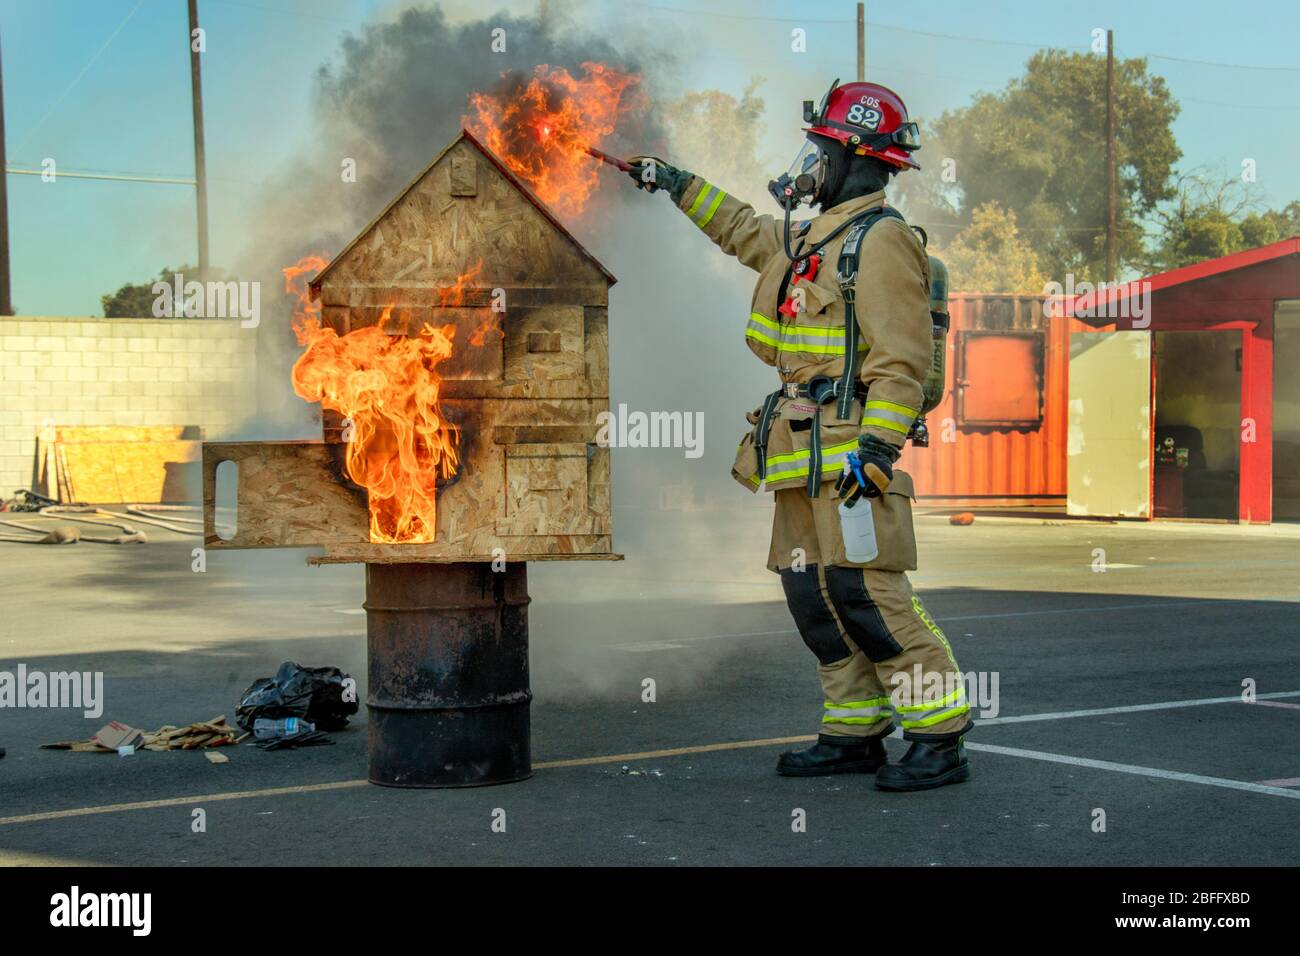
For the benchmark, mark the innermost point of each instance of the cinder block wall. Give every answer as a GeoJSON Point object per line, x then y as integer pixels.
{"type": "Point", "coordinates": [75, 371]}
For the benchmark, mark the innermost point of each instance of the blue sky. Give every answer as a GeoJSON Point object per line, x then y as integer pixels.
{"type": "Point", "coordinates": [103, 85]}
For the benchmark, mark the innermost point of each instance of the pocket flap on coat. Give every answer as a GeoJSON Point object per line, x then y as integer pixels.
{"type": "Point", "coordinates": [817, 297]}
{"type": "Point", "coordinates": [902, 485]}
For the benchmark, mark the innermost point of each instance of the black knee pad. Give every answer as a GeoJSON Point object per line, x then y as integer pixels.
{"type": "Point", "coordinates": [859, 614]}
{"type": "Point", "coordinates": [815, 620]}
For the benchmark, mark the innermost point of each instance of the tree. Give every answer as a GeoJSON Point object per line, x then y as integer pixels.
{"type": "Point", "coordinates": [990, 255]}
{"type": "Point", "coordinates": [716, 132]}
{"type": "Point", "coordinates": [1207, 219]}
{"type": "Point", "coordinates": [136, 301]}
{"type": "Point", "coordinates": [1260, 229]}
{"type": "Point", "coordinates": [1038, 149]}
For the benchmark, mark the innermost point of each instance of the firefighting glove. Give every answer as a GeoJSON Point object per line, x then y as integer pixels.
{"type": "Point", "coordinates": [652, 174]}
{"type": "Point", "coordinates": [872, 471]}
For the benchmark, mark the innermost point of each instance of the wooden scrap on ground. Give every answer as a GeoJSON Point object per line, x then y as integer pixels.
{"type": "Point", "coordinates": [201, 736]}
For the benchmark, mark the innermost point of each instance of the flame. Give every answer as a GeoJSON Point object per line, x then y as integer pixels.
{"type": "Point", "coordinates": [540, 127]}
{"type": "Point", "coordinates": [388, 387]}
{"type": "Point", "coordinates": [454, 295]}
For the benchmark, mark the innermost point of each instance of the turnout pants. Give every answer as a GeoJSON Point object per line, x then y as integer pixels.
{"type": "Point", "coordinates": [881, 657]}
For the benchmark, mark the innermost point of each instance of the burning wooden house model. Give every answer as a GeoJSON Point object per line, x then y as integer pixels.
{"type": "Point", "coordinates": [459, 350]}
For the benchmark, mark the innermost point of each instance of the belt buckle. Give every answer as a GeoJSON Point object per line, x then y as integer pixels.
{"type": "Point", "coordinates": [791, 389]}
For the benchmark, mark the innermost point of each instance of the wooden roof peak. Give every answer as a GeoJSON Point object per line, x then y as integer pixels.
{"type": "Point", "coordinates": [514, 180]}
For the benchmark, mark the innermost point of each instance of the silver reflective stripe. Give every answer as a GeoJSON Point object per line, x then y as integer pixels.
{"type": "Point", "coordinates": [796, 464]}
{"type": "Point", "coordinates": [815, 344]}
{"type": "Point", "coordinates": [889, 415]}
{"type": "Point", "coordinates": [706, 204]}
{"type": "Point", "coordinates": [913, 717]}
{"type": "Point", "coordinates": [873, 712]}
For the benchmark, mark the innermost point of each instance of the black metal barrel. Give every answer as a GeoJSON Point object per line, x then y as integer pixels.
{"type": "Point", "coordinates": [448, 674]}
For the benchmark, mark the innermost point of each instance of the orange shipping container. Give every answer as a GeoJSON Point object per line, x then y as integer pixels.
{"type": "Point", "coordinates": [999, 434]}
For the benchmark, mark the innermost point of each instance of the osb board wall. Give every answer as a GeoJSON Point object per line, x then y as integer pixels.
{"type": "Point", "coordinates": [531, 482]}
{"type": "Point", "coordinates": [431, 236]}
{"type": "Point", "coordinates": [557, 351]}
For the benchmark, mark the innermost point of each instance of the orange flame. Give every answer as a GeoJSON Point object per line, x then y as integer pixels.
{"type": "Point", "coordinates": [540, 127]}
{"type": "Point", "coordinates": [388, 387]}
{"type": "Point", "coordinates": [454, 295]}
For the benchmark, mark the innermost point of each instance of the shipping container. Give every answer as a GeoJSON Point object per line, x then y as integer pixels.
{"type": "Point", "coordinates": [998, 436]}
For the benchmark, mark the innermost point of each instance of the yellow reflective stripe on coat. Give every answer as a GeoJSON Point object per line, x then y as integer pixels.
{"type": "Point", "coordinates": [857, 711]}
{"type": "Point", "coordinates": [795, 464]}
{"type": "Point", "coordinates": [890, 415]}
{"type": "Point", "coordinates": [814, 339]}
{"type": "Point", "coordinates": [714, 196]}
{"type": "Point", "coordinates": [926, 715]}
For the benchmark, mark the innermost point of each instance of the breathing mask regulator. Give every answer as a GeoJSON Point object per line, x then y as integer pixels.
{"type": "Point", "coordinates": [801, 183]}
{"type": "Point", "coordinates": [805, 181]}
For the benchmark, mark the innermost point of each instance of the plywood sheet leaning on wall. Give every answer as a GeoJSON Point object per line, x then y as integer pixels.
{"type": "Point", "coordinates": [110, 464]}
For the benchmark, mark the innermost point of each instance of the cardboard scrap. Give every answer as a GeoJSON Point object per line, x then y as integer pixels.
{"type": "Point", "coordinates": [117, 735]}
{"type": "Point", "coordinates": [201, 736]}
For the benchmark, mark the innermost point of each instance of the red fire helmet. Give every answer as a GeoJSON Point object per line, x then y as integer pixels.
{"type": "Point", "coordinates": [868, 117]}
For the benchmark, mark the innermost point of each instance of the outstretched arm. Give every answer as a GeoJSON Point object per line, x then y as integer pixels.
{"type": "Point", "coordinates": [729, 222]}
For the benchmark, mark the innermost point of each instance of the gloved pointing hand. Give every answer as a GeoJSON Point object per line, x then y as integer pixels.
{"type": "Point", "coordinates": [652, 174]}
{"type": "Point", "coordinates": [876, 460]}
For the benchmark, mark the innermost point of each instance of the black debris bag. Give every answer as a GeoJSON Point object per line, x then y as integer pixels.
{"type": "Point", "coordinates": [313, 693]}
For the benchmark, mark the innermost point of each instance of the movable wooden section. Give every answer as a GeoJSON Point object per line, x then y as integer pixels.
{"type": "Point", "coordinates": [466, 244]}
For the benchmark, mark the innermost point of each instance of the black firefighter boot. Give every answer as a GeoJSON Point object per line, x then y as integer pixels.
{"type": "Point", "coordinates": [926, 765]}
{"type": "Point", "coordinates": [834, 755]}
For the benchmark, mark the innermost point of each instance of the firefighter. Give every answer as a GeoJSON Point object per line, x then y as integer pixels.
{"type": "Point", "coordinates": [841, 310]}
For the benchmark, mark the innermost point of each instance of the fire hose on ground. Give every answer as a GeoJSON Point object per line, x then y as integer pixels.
{"type": "Point", "coordinates": [168, 517]}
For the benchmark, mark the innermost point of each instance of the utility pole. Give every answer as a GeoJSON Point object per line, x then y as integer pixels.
{"type": "Point", "coordinates": [200, 158]}
{"type": "Point", "coordinates": [1111, 211]}
{"type": "Point", "coordinates": [862, 42]}
{"type": "Point", "coordinates": [6, 304]}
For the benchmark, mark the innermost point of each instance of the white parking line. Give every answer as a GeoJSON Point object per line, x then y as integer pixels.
{"type": "Point", "coordinates": [1135, 708]}
{"type": "Point", "coordinates": [1152, 772]}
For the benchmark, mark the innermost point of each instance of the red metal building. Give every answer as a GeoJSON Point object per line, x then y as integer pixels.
{"type": "Point", "coordinates": [1224, 385]}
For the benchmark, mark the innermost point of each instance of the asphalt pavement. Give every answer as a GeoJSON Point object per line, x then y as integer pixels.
{"type": "Point", "coordinates": [1113, 658]}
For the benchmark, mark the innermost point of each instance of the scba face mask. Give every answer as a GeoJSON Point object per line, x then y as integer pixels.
{"type": "Point", "coordinates": [803, 180]}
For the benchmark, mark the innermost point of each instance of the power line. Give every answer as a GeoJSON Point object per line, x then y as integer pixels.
{"type": "Point", "coordinates": [948, 36]}
{"type": "Point", "coordinates": [1230, 66]}
{"type": "Point", "coordinates": [61, 174]}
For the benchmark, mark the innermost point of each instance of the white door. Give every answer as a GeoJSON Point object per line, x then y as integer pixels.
{"type": "Point", "coordinates": [1109, 445]}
